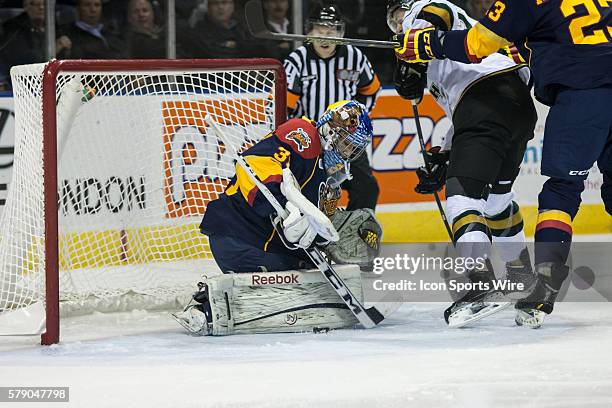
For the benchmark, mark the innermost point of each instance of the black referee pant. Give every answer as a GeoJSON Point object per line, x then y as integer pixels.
{"type": "Point", "coordinates": [362, 188]}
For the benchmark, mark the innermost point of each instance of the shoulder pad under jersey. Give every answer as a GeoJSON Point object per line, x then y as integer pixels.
{"type": "Point", "coordinates": [301, 136]}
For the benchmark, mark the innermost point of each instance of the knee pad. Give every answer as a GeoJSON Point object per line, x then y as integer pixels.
{"type": "Point", "coordinates": [467, 187]}
{"type": "Point", "coordinates": [561, 194]}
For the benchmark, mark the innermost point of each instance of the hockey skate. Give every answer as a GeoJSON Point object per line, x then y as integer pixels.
{"type": "Point", "coordinates": [530, 311]}
{"type": "Point", "coordinates": [520, 272]}
{"type": "Point", "coordinates": [197, 315]}
{"type": "Point", "coordinates": [479, 302]}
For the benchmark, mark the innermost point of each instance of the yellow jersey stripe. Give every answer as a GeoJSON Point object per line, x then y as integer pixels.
{"type": "Point", "coordinates": [265, 167]}
{"type": "Point", "coordinates": [482, 42]}
{"type": "Point", "coordinates": [443, 13]}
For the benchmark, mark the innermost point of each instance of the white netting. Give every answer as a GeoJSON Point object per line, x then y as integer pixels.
{"type": "Point", "coordinates": [137, 166]}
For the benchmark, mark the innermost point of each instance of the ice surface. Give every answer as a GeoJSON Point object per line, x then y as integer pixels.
{"type": "Point", "coordinates": [411, 360]}
{"type": "Point", "coordinates": [145, 359]}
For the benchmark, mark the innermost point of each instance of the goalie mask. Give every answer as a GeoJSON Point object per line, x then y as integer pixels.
{"type": "Point", "coordinates": [345, 130]}
{"type": "Point", "coordinates": [394, 18]}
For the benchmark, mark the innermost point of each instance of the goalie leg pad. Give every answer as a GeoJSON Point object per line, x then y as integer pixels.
{"type": "Point", "coordinates": [275, 302]}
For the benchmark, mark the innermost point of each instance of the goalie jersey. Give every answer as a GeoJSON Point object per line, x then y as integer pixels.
{"type": "Point", "coordinates": [242, 211]}
{"type": "Point", "coordinates": [448, 80]}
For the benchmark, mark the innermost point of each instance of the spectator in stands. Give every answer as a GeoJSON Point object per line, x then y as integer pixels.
{"type": "Point", "coordinates": [145, 39]}
{"type": "Point", "coordinates": [184, 8]}
{"type": "Point", "coordinates": [24, 40]}
{"type": "Point", "coordinates": [276, 12]}
{"type": "Point", "coordinates": [219, 35]}
{"type": "Point", "coordinates": [87, 35]}
{"type": "Point", "coordinates": [197, 13]}
{"type": "Point", "coordinates": [478, 8]}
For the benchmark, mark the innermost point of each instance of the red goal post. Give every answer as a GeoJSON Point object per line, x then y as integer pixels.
{"type": "Point", "coordinates": [248, 96]}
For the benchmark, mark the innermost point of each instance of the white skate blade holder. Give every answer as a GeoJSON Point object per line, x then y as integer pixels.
{"type": "Point", "coordinates": [464, 315]}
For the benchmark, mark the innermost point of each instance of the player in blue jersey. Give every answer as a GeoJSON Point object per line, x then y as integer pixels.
{"type": "Point", "coordinates": [569, 44]}
{"type": "Point", "coordinates": [241, 234]}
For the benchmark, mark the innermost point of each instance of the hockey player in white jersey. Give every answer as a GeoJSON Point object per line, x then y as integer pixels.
{"type": "Point", "coordinates": [493, 118]}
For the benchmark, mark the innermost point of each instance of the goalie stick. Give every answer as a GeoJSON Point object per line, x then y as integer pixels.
{"type": "Point", "coordinates": [257, 26]}
{"type": "Point", "coordinates": [369, 317]}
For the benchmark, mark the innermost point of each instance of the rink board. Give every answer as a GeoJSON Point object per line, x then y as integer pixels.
{"type": "Point", "coordinates": [395, 155]}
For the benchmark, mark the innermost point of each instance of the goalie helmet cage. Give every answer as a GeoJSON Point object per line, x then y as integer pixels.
{"type": "Point", "coordinates": [108, 217]}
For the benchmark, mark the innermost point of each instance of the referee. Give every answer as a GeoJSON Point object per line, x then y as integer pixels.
{"type": "Point", "coordinates": [321, 74]}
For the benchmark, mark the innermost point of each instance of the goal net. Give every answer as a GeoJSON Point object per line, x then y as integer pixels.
{"type": "Point", "coordinates": [115, 162]}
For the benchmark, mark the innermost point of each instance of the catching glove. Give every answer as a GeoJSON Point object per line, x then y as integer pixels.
{"type": "Point", "coordinates": [410, 80]}
{"type": "Point", "coordinates": [433, 181]}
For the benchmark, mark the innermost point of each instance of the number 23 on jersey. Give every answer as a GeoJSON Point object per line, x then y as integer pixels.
{"type": "Point", "coordinates": [581, 28]}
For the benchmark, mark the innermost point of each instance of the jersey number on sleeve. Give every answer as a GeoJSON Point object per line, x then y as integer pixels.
{"type": "Point", "coordinates": [578, 24]}
{"type": "Point", "coordinates": [282, 154]}
{"type": "Point", "coordinates": [496, 11]}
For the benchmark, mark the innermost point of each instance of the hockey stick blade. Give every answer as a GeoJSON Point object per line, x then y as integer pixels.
{"type": "Point", "coordinates": [369, 317]}
{"type": "Point", "coordinates": [257, 26]}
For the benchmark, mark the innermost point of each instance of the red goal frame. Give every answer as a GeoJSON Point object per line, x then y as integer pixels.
{"type": "Point", "coordinates": [50, 74]}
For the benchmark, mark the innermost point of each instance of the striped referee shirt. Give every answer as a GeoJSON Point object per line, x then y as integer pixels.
{"type": "Point", "coordinates": [313, 83]}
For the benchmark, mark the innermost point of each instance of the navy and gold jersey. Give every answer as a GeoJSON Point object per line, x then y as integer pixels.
{"type": "Point", "coordinates": [242, 211]}
{"type": "Point", "coordinates": [569, 41]}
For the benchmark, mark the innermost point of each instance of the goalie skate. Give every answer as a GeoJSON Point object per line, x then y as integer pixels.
{"type": "Point", "coordinates": [194, 320]}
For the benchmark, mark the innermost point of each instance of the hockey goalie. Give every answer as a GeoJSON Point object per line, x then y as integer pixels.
{"type": "Point", "coordinates": [263, 287]}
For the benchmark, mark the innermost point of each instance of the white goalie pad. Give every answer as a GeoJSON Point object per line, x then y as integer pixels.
{"type": "Point", "coordinates": [274, 302]}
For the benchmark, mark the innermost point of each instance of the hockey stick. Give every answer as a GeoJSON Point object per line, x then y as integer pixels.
{"type": "Point", "coordinates": [417, 119]}
{"type": "Point", "coordinates": [257, 26]}
{"type": "Point", "coordinates": [369, 317]}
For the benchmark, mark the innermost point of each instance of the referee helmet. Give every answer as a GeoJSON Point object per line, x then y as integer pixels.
{"type": "Point", "coordinates": [327, 16]}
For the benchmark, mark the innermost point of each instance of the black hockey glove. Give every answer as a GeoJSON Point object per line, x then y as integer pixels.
{"type": "Point", "coordinates": [431, 182]}
{"type": "Point", "coordinates": [410, 80]}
